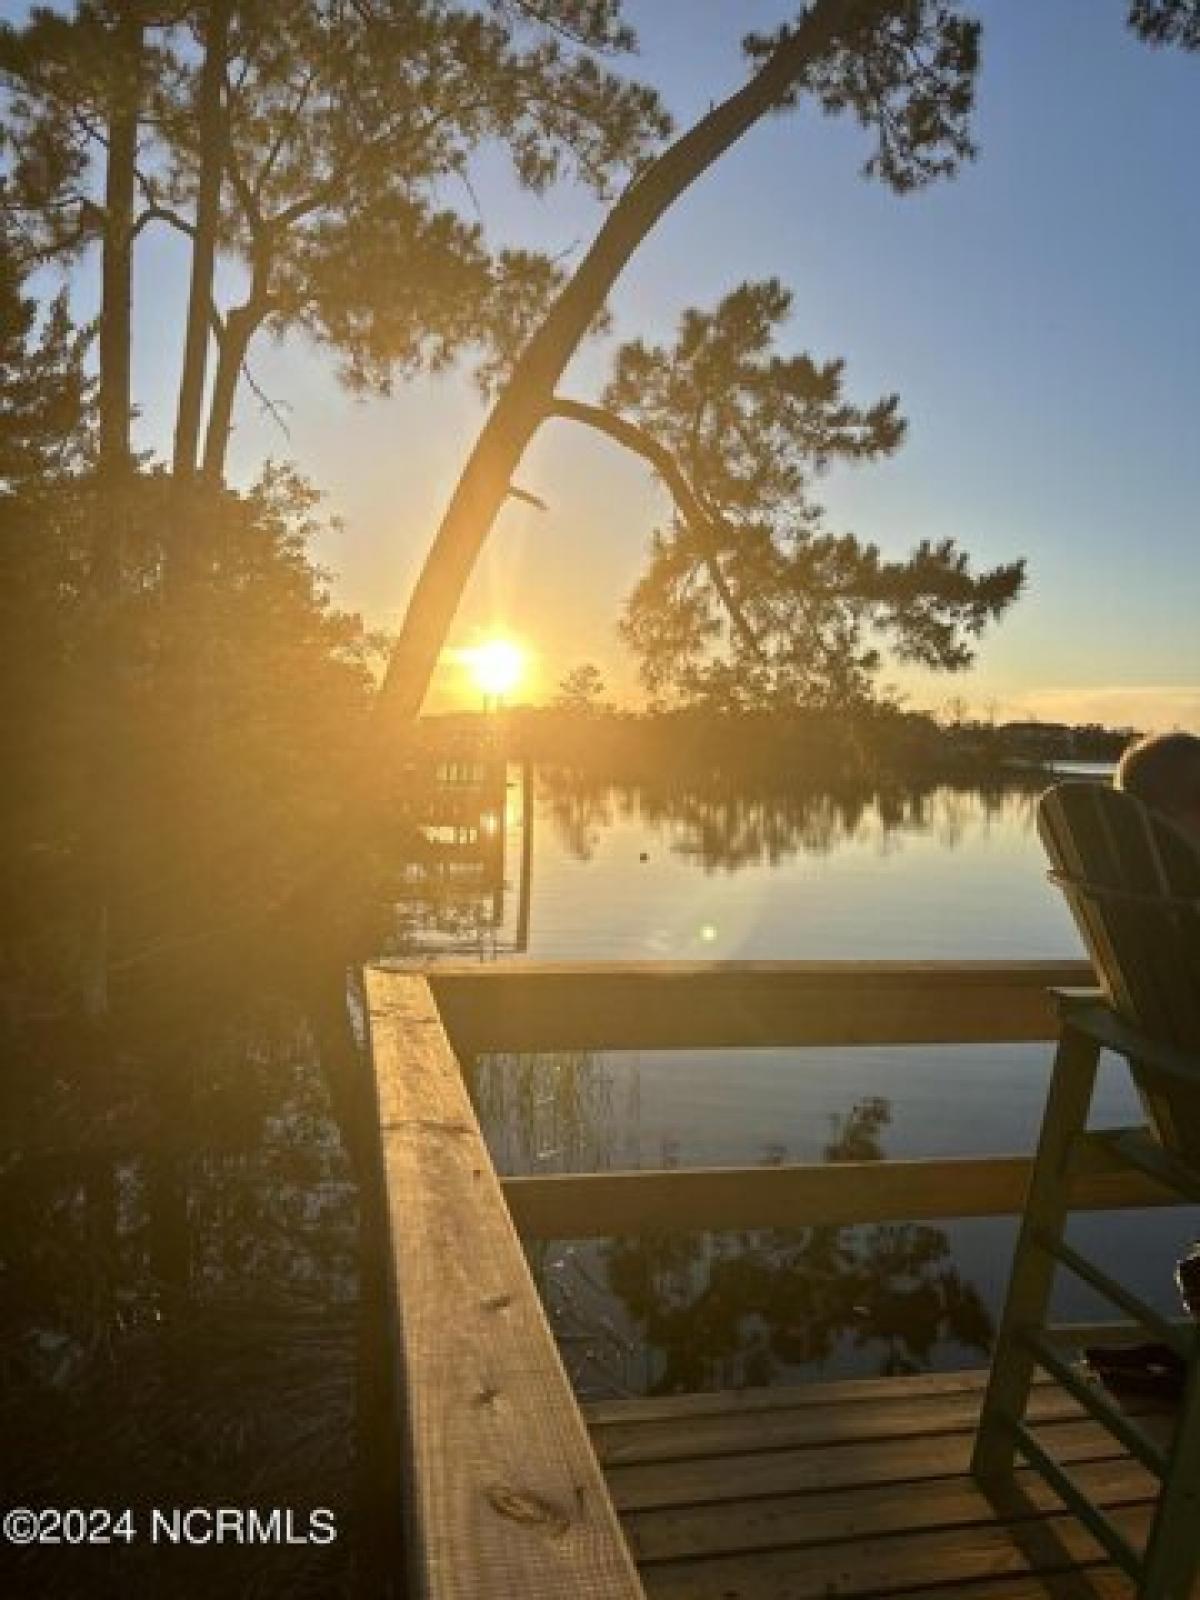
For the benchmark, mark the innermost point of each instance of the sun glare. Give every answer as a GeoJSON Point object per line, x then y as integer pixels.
{"type": "Point", "coordinates": [497, 666]}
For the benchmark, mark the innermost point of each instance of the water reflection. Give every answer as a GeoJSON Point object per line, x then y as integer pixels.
{"type": "Point", "coordinates": [233, 1385]}
{"type": "Point", "coordinates": [467, 881]}
{"type": "Point", "coordinates": [725, 826]}
{"type": "Point", "coordinates": [563, 1111]}
{"type": "Point", "coordinates": [726, 1311]}
{"type": "Point", "coordinates": [664, 1313]}
{"type": "Point", "coordinates": [462, 807]}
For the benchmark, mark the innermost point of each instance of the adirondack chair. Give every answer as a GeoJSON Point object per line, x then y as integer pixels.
{"type": "Point", "coordinates": [1132, 881]}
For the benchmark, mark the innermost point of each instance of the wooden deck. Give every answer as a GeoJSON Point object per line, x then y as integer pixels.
{"type": "Point", "coordinates": [508, 1491]}
{"type": "Point", "coordinates": [856, 1489]}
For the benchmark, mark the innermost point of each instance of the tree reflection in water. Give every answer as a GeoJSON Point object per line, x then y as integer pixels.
{"type": "Point", "coordinates": [235, 1387]}
{"type": "Point", "coordinates": [462, 862]}
{"type": "Point", "coordinates": [724, 825]}
{"type": "Point", "coordinates": [555, 1112]}
{"type": "Point", "coordinates": [666, 1313]}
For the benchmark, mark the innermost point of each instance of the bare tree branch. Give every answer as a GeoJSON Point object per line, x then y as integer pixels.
{"type": "Point", "coordinates": [700, 523]}
{"type": "Point", "coordinates": [274, 409]}
{"type": "Point", "coordinates": [526, 498]}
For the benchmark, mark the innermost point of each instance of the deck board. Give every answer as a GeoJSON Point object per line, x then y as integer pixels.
{"type": "Point", "coordinates": [664, 1407]}
{"type": "Point", "coordinates": [857, 1489]}
{"type": "Point", "coordinates": [800, 1426]}
{"type": "Point", "coordinates": [867, 1509]}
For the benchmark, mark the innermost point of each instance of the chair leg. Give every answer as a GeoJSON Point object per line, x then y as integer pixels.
{"type": "Point", "coordinates": [1173, 1548]}
{"type": "Point", "coordinates": [1032, 1274]}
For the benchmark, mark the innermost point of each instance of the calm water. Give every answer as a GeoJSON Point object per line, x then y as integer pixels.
{"type": "Point", "coordinates": [620, 873]}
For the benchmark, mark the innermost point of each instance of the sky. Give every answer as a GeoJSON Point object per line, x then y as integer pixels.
{"type": "Point", "coordinates": [1037, 316]}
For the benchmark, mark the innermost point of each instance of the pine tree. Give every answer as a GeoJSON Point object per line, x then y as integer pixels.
{"type": "Point", "coordinates": [324, 149]}
{"type": "Point", "coordinates": [748, 601]}
{"type": "Point", "coordinates": [906, 70]}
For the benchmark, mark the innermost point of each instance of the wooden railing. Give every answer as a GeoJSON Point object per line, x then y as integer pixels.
{"type": "Point", "coordinates": [503, 1493]}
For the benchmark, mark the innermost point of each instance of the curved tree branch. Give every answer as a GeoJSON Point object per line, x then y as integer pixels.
{"type": "Point", "coordinates": [483, 486]}
{"type": "Point", "coordinates": [273, 408]}
{"type": "Point", "coordinates": [691, 508]}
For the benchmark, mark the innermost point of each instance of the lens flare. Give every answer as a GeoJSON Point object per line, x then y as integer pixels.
{"type": "Point", "coordinates": [497, 666]}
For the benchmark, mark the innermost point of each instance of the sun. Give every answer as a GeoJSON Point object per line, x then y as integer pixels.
{"type": "Point", "coordinates": [497, 666]}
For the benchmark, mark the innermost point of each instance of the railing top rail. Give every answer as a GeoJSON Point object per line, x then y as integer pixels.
{"type": "Point", "coordinates": [503, 1494]}
{"type": "Point", "coordinates": [531, 1006]}
{"type": "Point", "coordinates": [1055, 971]}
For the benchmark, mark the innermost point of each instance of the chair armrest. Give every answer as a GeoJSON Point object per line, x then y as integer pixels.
{"type": "Point", "coordinates": [1088, 1013]}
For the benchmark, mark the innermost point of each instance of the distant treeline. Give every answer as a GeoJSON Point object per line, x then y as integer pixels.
{"type": "Point", "coordinates": [815, 747]}
{"type": "Point", "coordinates": [1051, 741]}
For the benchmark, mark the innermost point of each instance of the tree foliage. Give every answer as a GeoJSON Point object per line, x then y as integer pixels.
{"type": "Point", "coordinates": [1167, 22]}
{"type": "Point", "coordinates": [344, 148]}
{"type": "Point", "coordinates": [319, 146]}
{"type": "Point", "coordinates": [582, 689]}
{"type": "Point", "coordinates": [230, 717]}
{"type": "Point", "coordinates": [44, 394]}
{"type": "Point", "coordinates": [44, 386]}
{"type": "Point", "coordinates": [907, 73]}
{"type": "Point", "coordinates": [752, 430]}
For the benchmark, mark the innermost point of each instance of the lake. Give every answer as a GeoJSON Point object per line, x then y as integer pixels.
{"type": "Point", "coordinates": [661, 872]}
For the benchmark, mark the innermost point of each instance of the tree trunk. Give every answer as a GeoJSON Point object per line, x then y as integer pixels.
{"type": "Point", "coordinates": [116, 308]}
{"type": "Point", "coordinates": [213, 135]}
{"type": "Point", "coordinates": [240, 327]}
{"type": "Point", "coordinates": [484, 484]}
{"type": "Point", "coordinates": [113, 475]}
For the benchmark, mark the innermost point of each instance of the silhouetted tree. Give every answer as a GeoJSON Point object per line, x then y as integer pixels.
{"type": "Point", "coordinates": [582, 689]}
{"type": "Point", "coordinates": [906, 70]}
{"type": "Point", "coordinates": [308, 153]}
{"type": "Point", "coordinates": [44, 389]}
{"type": "Point", "coordinates": [313, 143]}
{"type": "Point", "coordinates": [74, 86]}
{"type": "Point", "coordinates": [747, 599]}
{"type": "Point", "coordinates": [44, 440]}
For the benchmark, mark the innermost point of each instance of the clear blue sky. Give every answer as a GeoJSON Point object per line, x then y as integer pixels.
{"type": "Point", "coordinates": [1038, 316]}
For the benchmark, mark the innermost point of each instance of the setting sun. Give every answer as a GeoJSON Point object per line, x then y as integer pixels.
{"type": "Point", "coordinates": [497, 665]}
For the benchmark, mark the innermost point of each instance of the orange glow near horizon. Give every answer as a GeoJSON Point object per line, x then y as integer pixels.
{"type": "Point", "coordinates": [497, 666]}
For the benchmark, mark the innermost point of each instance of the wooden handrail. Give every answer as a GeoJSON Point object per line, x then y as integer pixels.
{"type": "Point", "coordinates": [502, 1491]}
{"type": "Point", "coordinates": [621, 1005]}
{"type": "Point", "coordinates": [838, 1194]}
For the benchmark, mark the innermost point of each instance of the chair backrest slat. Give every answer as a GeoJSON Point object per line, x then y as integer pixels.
{"type": "Point", "coordinates": [1132, 881]}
